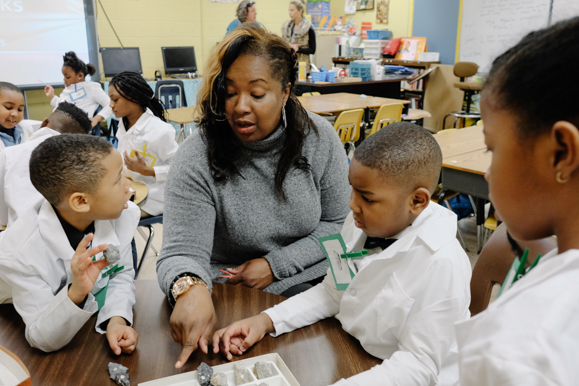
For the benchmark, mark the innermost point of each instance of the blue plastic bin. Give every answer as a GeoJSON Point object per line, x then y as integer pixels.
{"type": "Point", "coordinates": [379, 34]}
{"type": "Point", "coordinates": [318, 76]}
{"type": "Point", "coordinates": [361, 70]}
{"type": "Point", "coordinates": [330, 76]}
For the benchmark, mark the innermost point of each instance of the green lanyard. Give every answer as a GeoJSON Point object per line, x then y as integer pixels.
{"type": "Point", "coordinates": [517, 271]}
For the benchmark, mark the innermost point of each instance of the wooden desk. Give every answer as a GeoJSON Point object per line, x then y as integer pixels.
{"type": "Point", "coordinates": [317, 355]}
{"type": "Point", "coordinates": [181, 116]}
{"type": "Point", "coordinates": [464, 163]}
{"type": "Point", "coordinates": [338, 102]}
{"type": "Point", "coordinates": [456, 142]}
{"type": "Point", "coordinates": [388, 88]}
{"type": "Point", "coordinates": [141, 192]}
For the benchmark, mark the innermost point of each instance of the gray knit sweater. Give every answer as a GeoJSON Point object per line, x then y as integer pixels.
{"type": "Point", "coordinates": [209, 226]}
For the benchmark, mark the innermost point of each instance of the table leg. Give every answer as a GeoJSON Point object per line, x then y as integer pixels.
{"type": "Point", "coordinates": [480, 220]}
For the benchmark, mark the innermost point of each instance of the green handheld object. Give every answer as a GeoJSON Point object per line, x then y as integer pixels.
{"type": "Point", "coordinates": [361, 253]}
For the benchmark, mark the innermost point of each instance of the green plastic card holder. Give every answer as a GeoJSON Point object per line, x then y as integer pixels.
{"type": "Point", "coordinates": [334, 247]}
{"type": "Point", "coordinates": [101, 296]}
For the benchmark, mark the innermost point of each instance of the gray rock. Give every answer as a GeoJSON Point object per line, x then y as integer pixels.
{"type": "Point", "coordinates": [119, 374]}
{"type": "Point", "coordinates": [204, 372]}
{"type": "Point", "coordinates": [264, 370]}
{"type": "Point", "coordinates": [242, 375]}
{"type": "Point", "coordinates": [219, 379]}
{"type": "Point", "coordinates": [112, 254]}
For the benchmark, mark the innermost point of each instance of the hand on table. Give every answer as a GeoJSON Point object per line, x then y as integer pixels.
{"type": "Point", "coordinates": [254, 273]}
{"type": "Point", "coordinates": [122, 338]}
{"type": "Point", "coordinates": [192, 322]}
{"type": "Point", "coordinates": [49, 91]}
{"type": "Point", "coordinates": [85, 271]}
{"type": "Point", "coordinates": [138, 165]}
{"type": "Point", "coordinates": [240, 336]}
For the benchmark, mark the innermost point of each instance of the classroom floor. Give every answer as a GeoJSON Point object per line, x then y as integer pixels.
{"type": "Point", "coordinates": [148, 269]}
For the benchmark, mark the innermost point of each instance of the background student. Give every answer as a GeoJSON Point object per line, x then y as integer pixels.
{"type": "Point", "coordinates": [12, 130]}
{"type": "Point", "coordinates": [146, 140]}
{"type": "Point", "coordinates": [409, 291]}
{"type": "Point", "coordinates": [529, 336]}
{"type": "Point", "coordinates": [85, 94]}
{"type": "Point", "coordinates": [46, 256]}
{"type": "Point", "coordinates": [17, 193]}
{"type": "Point", "coordinates": [246, 12]}
{"type": "Point", "coordinates": [299, 33]}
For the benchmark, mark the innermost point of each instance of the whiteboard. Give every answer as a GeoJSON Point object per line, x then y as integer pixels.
{"type": "Point", "coordinates": [35, 34]}
{"type": "Point", "coordinates": [490, 27]}
{"type": "Point", "coordinates": [564, 9]}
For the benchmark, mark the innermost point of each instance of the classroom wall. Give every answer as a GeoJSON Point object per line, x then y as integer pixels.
{"type": "Point", "coordinates": [398, 17]}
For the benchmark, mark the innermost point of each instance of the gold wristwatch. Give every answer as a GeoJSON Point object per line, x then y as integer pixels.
{"type": "Point", "coordinates": [184, 284]}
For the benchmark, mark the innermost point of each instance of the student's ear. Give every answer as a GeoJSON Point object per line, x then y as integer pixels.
{"type": "Point", "coordinates": [44, 123]}
{"type": "Point", "coordinates": [286, 93]}
{"type": "Point", "coordinates": [420, 200]}
{"type": "Point", "coordinates": [565, 160]}
{"type": "Point", "coordinates": [78, 202]}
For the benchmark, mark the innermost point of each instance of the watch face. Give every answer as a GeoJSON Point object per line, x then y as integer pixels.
{"type": "Point", "coordinates": [181, 285]}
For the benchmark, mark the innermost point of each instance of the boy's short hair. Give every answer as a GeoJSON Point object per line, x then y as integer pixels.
{"type": "Point", "coordinates": [404, 152]}
{"type": "Point", "coordinates": [10, 87]}
{"type": "Point", "coordinates": [72, 120]}
{"type": "Point", "coordinates": [68, 163]}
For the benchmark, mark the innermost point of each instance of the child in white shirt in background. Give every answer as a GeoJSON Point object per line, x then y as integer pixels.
{"type": "Point", "coordinates": [12, 130]}
{"type": "Point", "coordinates": [403, 300]}
{"type": "Point", "coordinates": [85, 94]}
{"type": "Point", "coordinates": [530, 334]}
{"type": "Point", "coordinates": [146, 140]}
{"type": "Point", "coordinates": [46, 256]}
{"type": "Point", "coordinates": [17, 193]}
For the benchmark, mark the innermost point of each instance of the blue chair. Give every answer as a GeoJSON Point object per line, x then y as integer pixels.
{"type": "Point", "coordinates": [171, 93]}
{"type": "Point", "coordinates": [148, 222]}
{"type": "Point", "coordinates": [96, 130]}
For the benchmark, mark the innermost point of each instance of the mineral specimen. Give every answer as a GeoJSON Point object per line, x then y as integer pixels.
{"type": "Point", "coordinates": [219, 379]}
{"type": "Point", "coordinates": [204, 372]}
{"type": "Point", "coordinates": [112, 254]}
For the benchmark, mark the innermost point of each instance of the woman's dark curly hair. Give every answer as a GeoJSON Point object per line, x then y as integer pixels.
{"type": "Point", "coordinates": [223, 146]}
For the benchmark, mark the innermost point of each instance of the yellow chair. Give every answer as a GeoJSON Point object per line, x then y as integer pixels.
{"type": "Point", "coordinates": [479, 123]}
{"type": "Point", "coordinates": [347, 125]}
{"type": "Point", "coordinates": [387, 114]}
{"type": "Point", "coordinates": [311, 93]}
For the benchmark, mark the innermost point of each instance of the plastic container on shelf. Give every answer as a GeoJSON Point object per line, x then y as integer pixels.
{"type": "Point", "coordinates": [361, 70]}
{"type": "Point", "coordinates": [372, 53]}
{"type": "Point", "coordinates": [380, 44]}
{"type": "Point", "coordinates": [330, 76]}
{"type": "Point", "coordinates": [318, 76]}
{"type": "Point", "coordinates": [379, 34]}
{"type": "Point", "coordinates": [356, 52]}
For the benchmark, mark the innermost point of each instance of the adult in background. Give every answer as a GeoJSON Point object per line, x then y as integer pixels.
{"type": "Point", "coordinates": [246, 12]}
{"type": "Point", "coordinates": [299, 33]}
{"type": "Point", "coordinates": [252, 190]}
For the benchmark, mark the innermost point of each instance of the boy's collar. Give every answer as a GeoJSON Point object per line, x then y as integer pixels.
{"type": "Point", "coordinates": [73, 234]}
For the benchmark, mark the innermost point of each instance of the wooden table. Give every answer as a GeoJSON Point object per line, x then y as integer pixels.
{"type": "Point", "coordinates": [464, 164]}
{"type": "Point", "coordinates": [181, 116]}
{"type": "Point", "coordinates": [338, 102]}
{"type": "Point", "coordinates": [388, 88]}
{"type": "Point", "coordinates": [141, 192]}
{"type": "Point", "coordinates": [317, 355]}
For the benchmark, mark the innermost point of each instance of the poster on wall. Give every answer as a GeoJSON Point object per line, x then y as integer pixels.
{"type": "Point", "coordinates": [382, 8]}
{"type": "Point", "coordinates": [350, 8]}
{"type": "Point", "coordinates": [319, 10]}
{"type": "Point", "coordinates": [364, 5]}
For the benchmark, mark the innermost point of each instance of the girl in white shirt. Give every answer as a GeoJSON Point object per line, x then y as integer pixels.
{"type": "Point", "coordinates": [86, 95]}
{"type": "Point", "coordinates": [146, 140]}
{"type": "Point", "coordinates": [530, 335]}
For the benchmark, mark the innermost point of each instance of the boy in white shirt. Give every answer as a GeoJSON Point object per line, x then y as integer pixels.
{"type": "Point", "coordinates": [403, 300]}
{"type": "Point", "coordinates": [16, 191]}
{"type": "Point", "coordinates": [46, 256]}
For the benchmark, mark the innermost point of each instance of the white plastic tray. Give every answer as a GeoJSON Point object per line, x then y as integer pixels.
{"type": "Point", "coordinates": [11, 372]}
{"type": "Point", "coordinates": [284, 377]}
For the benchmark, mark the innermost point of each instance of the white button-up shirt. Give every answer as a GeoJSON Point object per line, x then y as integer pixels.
{"type": "Point", "coordinates": [87, 96]}
{"type": "Point", "coordinates": [529, 336]}
{"type": "Point", "coordinates": [401, 305]}
{"type": "Point", "coordinates": [159, 138]}
{"type": "Point", "coordinates": [35, 257]}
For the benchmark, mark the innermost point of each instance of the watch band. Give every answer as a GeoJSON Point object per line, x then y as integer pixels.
{"type": "Point", "coordinates": [170, 292]}
{"type": "Point", "coordinates": [192, 281]}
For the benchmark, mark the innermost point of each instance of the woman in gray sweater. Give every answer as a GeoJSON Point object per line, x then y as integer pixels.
{"type": "Point", "coordinates": [252, 191]}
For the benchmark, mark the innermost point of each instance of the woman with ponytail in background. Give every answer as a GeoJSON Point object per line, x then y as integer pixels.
{"type": "Point", "coordinates": [86, 95]}
{"type": "Point", "coordinates": [146, 140]}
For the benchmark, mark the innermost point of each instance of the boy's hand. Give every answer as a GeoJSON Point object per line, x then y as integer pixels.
{"type": "Point", "coordinates": [138, 165]}
{"type": "Point", "coordinates": [122, 338]}
{"type": "Point", "coordinates": [240, 336]}
{"type": "Point", "coordinates": [96, 120]}
{"type": "Point", "coordinates": [84, 270]}
{"type": "Point", "coordinates": [49, 91]}
{"type": "Point", "coordinates": [255, 273]}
